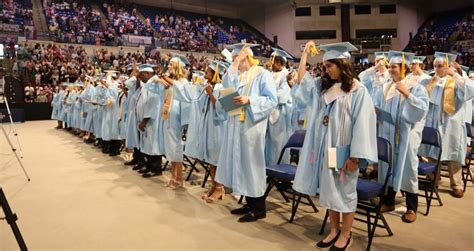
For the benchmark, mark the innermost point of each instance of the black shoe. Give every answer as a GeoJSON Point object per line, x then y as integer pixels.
{"type": "Point", "coordinates": [334, 248]}
{"type": "Point", "coordinates": [322, 244]}
{"type": "Point", "coordinates": [115, 153]}
{"type": "Point", "coordinates": [239, 211]}
{"type": "Point", "coordinates": [152, 174]}
{"type": "Point", "coordinates": [144, 170]}
{"type": "Point", "coordinates": [252, 216]}
{"type": "Point", "coordinates": [131, 162]}
{"type": "Point", "coordinates": [138, 166]}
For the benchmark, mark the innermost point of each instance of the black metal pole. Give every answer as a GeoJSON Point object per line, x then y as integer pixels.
{"type": "Point", "coordinates": [11, 219]}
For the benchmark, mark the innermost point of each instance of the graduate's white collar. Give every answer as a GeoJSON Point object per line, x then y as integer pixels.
{"type": "Point", "coordinates": [335, 91]}
{"type": "Point", "coordinates": [245, 77]}
{"type": "Point", "coordinates": [393, 92]}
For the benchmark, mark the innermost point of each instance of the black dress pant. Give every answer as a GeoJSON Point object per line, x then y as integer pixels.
{"type": "Point", "coordinates": [411, 199]}
{"type": "Point", "coordinates": [153, 163]}
{"type": "Point", "coordinates": [256, 204]}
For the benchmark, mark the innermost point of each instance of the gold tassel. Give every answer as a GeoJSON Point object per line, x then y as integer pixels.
{"type": "Point", "coordinates": [180, 70]}
{"type": "Point", "coordinates": [273, 59]}
{"type": "Point", "coordinates": [216, 78]}
{"type": "Point", "coordinates": [253, 61]}
{"type": "Point", "coordinates": [449, 99]}
{"type": "Point", "coordinates": [446, 63]}
{"type": "Point", "coordinates": [403, 70]}
{"type": "Point", "coordinates": [313, 50]}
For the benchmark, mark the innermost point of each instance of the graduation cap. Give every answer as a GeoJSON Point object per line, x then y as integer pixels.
{"type": "Point", "coordinates": [198, 74]}
{"type": "Point", "coordinates": [471, 74]}
{"type": "Point", "coordinates": [280, 53]}
{"type": "Point", "coordinates": [179, 58]}
{"type": "Point", "coordinates": [400, 57]}
{"type": "Point", "coordinates": [337, 50]}
{"type": "Point", "coordinates": [130, 66]}
{"type": "Point", "coordinates": [447, 58]}
{"type": "Point", "coordinates": [236, 48]}
{"type": "Point", "coordinates": [113, 73]}
{"type": "Point", "coordinates": [380, 55]}
{"type": "Point", "coordinates": [418, 59]}
{"type": "Point", "coordinates": [219, 69]}
{"type": "Point", "coordinates": [227, 55]}
{"type": "Point", "coordinates": [146, 68]}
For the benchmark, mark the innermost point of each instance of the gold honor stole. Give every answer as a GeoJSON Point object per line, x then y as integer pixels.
{"type": "Point", "coordinates": [449, 98]}
{"type": "Point", "coordinates": [250, 78]}
{"type": "Point", "coordinates": [166, 106]}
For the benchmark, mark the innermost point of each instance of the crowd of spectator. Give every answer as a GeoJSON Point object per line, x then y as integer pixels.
{"type": "Point", "coordinates": [179, 33]}
{"type": "Point", "coordinates": [14, 12]}
{"type": "Point", "coordinates": [126, 22]}
{"type": "Point", "coordinates": [73, 22]}
{"type": "Point", "coordinates": [466, 30]}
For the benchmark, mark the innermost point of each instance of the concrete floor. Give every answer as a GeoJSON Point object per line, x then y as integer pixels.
{"type": "Point", "coordinates": [80, 199]}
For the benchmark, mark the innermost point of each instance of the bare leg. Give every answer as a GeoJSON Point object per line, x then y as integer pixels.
{"type": "Point", "coordinates": [218, 191]}
{"type": "Point", "coordinates": [347, 220]}
{"type": "Point", "coordinates": [334, 218]}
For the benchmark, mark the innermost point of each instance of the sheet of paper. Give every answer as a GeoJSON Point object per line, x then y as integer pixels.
{"type": "Point", "coordinates": [384, 116]}
{"type": "Point", "coordinates": [332, 157]}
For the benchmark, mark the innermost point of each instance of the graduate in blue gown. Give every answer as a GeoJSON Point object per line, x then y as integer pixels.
{"type": "Point", "coordinates": [241, 164]}
{"type": "Point", "coordinates": [406, 100]}
{"type": "Point", "coordinates": [134, 86]}
{"type": "Point", "coordinates": [174, 115]}
{"type": "Point", "coordinates": [279, 122]}
{"type": "Point", "coordinates": [100, 102]}
{"type": "Point", "coordinates": [206, 124]}
{"type": "Point", "coordinates": [86, 97]}
{"type": "Point", "coordinates": [374, 77]}
{"type": "Point", "coordinates": [110, 125]}
{"type": "Point", "coordinates": [149, 118]}
{"type": "Point", "coordinates": [340, 128]}
{"type": "Point", "coordinates": [448, 91]}
{"type": "Point", "coordinates": [57, 104]}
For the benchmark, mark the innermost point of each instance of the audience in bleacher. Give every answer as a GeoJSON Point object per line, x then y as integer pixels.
{"type": "Point", "coordinates": [71, 22]}
{"type": "Point", "coordinates": [125, 22]}
{"type": "Point", "coordinates": [15, 12]}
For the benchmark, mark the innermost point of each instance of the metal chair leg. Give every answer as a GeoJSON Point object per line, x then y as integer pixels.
{"type": "Point", "coordinates": [241, 199]}
{"type": "Point", "coordinates": [321, 232]}
{"type": "Point", "coordinates": [294, 207]}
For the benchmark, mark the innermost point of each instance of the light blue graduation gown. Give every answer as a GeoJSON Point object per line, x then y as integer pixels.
{"type": "Point", "coordinates": [77, 109]}
{"type": "Point", "coordinates": [172, 128]}
{"type": "Point", "coordinates": [279, 122]}
{"type": "Point", "coordinates": [242, 157]}
{"type": "Point", "coordinates": [61, 105]}
{"type": "Point", "coordinates": [206, 124]}
{"type": "Point", "coordinates": [123, 102]}
{"type": "Point", "coordinates": [110, 127]}
{"type": "Point", "coordinates": [409, 116]}
{"type": "Point", "coordinates": [149, 106]}
{"type": "Point", "coordinates": [69, 103]}
{"type": "Point", "coordinates": [351, 127]}
{"type": "Point", "coordinates": [87, 97]}
{"type": "Point", "coordinates": [373, 81]}
{"type": "Point", "coordinates": [55, 103]}
{"type": "Point", "coordinates": [131, 135]}
{"type": "Point", "coordinates": [452, 128]}
{"type": "Point", "coordinates": [99, 98]}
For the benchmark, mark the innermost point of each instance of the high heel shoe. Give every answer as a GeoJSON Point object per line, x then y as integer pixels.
{"type": "Point", "coordinates": [322, 244]}
{"type": "Point", "coordinates": [177, 184]}
{"type": "Point", "coordinates": [212, 199]}
{"type": "Point", "coordinates": [334, 248]}
{"type": "Point", "coordinates": [172, 181]}
{"type": "Point", "coordinates": [208, 192]}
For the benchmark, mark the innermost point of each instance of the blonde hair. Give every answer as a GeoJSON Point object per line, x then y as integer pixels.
{"type": "Point", "coordinates": [176, 73]}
